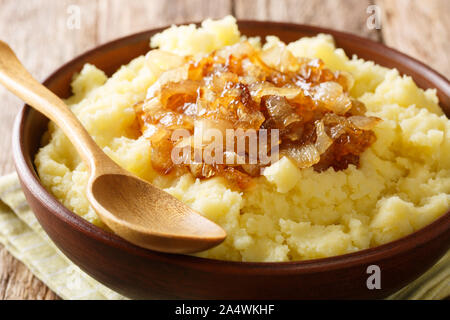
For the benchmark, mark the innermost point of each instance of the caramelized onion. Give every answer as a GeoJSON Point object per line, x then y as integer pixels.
{"type": "Point", "coordinates": [358, 108]}
{"type": "Point", "coordinates": [280, 111]}
{"type": "Point", "coordinates": [236, 178]}
{"type": "Point", "coordinates": [331, 95]}
{"type": "Point", "coordinates": [202, 170]}
{"type": "Point", "coordinates": [337, 130]}
{"type": "Point", "coordinates": [364, 123]}
{"type": "Point", "coordinates": [253, 170]}
{"type": "Point", "coordinates": [323, 141]}
{"type": "Point", "coordinates": [241, 87]}
{"type": "Point", "coordinates": [174, 95]}
{"type": "Point", "coordinates": [204, 128]}
{"type": "Point", "coordinates": [260, 89]}
{"type": "Point", "coordinates": [304, 156]}
{"type": "Point", "coordinates": [161, 151]}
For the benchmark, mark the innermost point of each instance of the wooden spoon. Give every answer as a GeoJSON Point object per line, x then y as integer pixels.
{"type": "Point", "coordinates": [134, 209]}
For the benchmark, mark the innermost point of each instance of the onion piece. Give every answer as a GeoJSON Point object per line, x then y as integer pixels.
{"type": "Point", "coordinates": [149, 130]}
{"type": "Point", "coordinates": [161, 151]}
{"type": "Point", "coordinates": [173, 120]}
{"type": "Point", "coordinates": [202, 170]}
{"type": "Point", "coordinates": [331, 95]}
{"type": "Point", "coordinates": [231, 158]}
{"type": "Point", "coordinates": [186, 89]}
{"type": "Point", "coordinates": [252, 72]}
{"type": "Point", "coordinates": [219, 83]}
{"type": "Point", "coordinates": [236, 178]}
{"type": "Point", "coordinates": [280, 111]}
{"type": "Point", "coordinates": [151, 107]}
{"type": "Point", "coordinates": [248, 118]}
{"type": "Point", "coordinates": [358, 108]}
{"type": "Point", "coordinates": [304, 156]}
{"type": "Point", "coordinates": [253, 170]}
{"type": "Point", "coordinates": [337, 130]}
{"type": "Point", "coordinates": [203, 129]}
{"type": "Point", "coordinates": [363, 122]}
{"type": "Point", "coordinates": [183, 145]}
{"type": "Point", "coordinates": [260, 89]}
{"type": "Point", "coordinates": [323, 141]}
{"type": "Point", "coordinates": [185, 142]}
{"type": "Point", "coordinates": [160, 135]}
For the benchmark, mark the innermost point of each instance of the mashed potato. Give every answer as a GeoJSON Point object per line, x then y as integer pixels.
{"type": "Point", "coordinates": [403, 182]}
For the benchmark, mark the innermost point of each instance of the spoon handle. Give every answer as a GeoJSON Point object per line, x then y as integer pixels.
{"type": "Point", "coordinates": [19, 81]}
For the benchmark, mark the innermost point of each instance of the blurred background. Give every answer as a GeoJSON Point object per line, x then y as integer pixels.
{"type": "Point", "coordinates": [47, 33]}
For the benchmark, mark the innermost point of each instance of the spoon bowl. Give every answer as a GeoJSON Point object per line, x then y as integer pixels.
{"type": "Point", "coordinates": [133, 202]}
{"type": "Point", "coordinates": [134, 209]}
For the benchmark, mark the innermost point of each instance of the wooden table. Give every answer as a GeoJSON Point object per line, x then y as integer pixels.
{"type": "Point", "coordinates": [38, 31]}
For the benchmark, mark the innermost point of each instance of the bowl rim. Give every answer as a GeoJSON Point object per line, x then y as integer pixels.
{"type": "Point", "coordinates": [29, 175]}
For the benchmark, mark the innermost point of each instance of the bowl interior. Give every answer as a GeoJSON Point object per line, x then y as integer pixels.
{"type": "Point", "coordinates": [111, 56]}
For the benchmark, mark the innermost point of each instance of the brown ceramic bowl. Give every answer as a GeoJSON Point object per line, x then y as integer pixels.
{"type": "Point", "coordinates": [141, 273]}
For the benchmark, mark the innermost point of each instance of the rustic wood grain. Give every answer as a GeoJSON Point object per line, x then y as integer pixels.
{"type": "Point", "coordinates": [17, 282]}
{"type": "Point", "coordinates": [116, 21]}
{"type": "Point", "coordinates": [37, 31]}
{"type": "Point", "coordinates": [346, 15]}
{"type": "Point", "coordinates": [420, 29]}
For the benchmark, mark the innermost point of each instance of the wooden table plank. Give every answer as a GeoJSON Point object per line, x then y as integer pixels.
{"type": "Point", "coordinates": [347, 15]}
{"type": "Point", "coordinates": [116, 21]}
{"type": "Point", "coordinates": [419, 28]}
{"type": "Point", "coordinates": [37, 31]}
{"type": "Point", "coordinates": [17, 282]}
